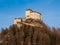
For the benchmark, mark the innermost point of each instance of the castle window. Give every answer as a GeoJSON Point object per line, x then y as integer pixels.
{"type": "Point", "coordinates": [28, 16]}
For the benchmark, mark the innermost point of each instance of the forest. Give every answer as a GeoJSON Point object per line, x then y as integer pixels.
{"type": "Point", "coordinates": [29, 35]}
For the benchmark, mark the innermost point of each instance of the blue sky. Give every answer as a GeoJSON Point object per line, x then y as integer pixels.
{"type": "Point", "coordinates": [10, 9]}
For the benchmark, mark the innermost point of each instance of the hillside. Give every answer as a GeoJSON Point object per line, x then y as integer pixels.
{"type": "Point", "coordinates": [30, 35]}
{"type": "Point", "coordinates": [30, 31]}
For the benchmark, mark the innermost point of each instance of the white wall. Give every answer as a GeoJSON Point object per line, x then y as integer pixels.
{"type": "Point", "coordinates": [28, 13]}
{"type": "Point", "coordinates": [17, 20]}
{"type": "Point", "coordinates": [34, 15]}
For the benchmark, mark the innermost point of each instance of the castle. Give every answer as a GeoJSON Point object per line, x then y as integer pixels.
{"type": "Point", "coordinates": [29, 15]}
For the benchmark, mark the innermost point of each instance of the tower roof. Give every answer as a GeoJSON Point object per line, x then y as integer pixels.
{"type": "Point", "coordinates": [28, 9]}
{"type": "Point", "coordinates": [33, 11]}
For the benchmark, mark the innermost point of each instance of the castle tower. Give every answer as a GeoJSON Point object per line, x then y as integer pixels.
{"type": "Point", "coordinates": [28, 12]}
{"type": "Point", "coordinates": [33, 14]}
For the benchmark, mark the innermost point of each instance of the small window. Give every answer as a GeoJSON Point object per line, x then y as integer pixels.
{"type": "Point", "coordinates": [28, 16]}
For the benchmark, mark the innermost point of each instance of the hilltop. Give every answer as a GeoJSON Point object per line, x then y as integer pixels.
{"type": "Point", "coordinates": [30, 30]}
